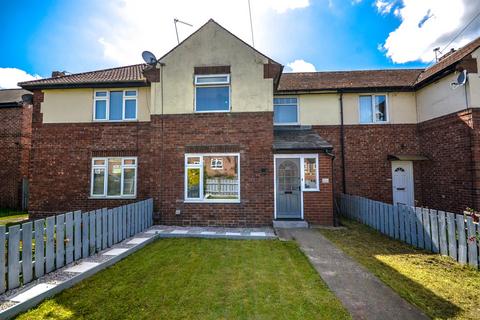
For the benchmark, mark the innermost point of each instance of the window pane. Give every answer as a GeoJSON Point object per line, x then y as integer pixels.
{"type": "Point", "coordinates": [129, 181]}
{"type": "Point", "coordinates": [284, 100]}
{"type": "Point", "coordinates": [285, 114]}
{"type": "Point", "coordinates": [310, 173]}
{"type": "Point", "coordinates": [380, 108]}
{"type": "Point", "coordinates": [129, 161]}
{"type": "Point", "coordinates": [131, 93]}
{"type": "Point", "coordinates": [100, 109]}
{"type": "Point", "coordinates": [116, 102]}
{"type": "Point", "coordinates": [193, 160]}
{"type": "Point", "coordinates": [212, 98]}
{"type": "Point", "coordinates": [221, 183]}
{"type": "Point", "coordinates": [130, 109]}
{"type": "Point", "coordinates": [366, 109]}
{"type": "Point", "coordinates": [101, 94]}
{"type": "Point", "coordinates": [99, 162]}
{"type": "Point", "coordinates": [193, 183]}
{"type": "Point", "coordinates": [98, 181]}
{"type": "Point", "coordinates": [212, 79]}
{"type": "Point", "coordinates": [114, 177]}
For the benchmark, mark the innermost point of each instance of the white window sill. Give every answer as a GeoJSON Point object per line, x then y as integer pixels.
{"type": "Point", "coordinates": [213, 201]}
{"type": "Point", "coordinates": [213, 111]}
{"type": "Point", "coordinates": [311, 190]}
{"type": "Point", "coordinates": [112, 197]}
{"type": "Point", "coordinates": [370, 123]}
{"type": "Point", "coordinates": [287, 124]}
{"type": "Point", "coordinates": [115, 121]}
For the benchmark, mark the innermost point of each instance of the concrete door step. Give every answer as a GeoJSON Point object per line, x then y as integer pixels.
{"type": "Point", "coordinates": [290, 224]}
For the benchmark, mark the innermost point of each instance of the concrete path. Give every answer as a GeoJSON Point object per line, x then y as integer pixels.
{"type": "Point", "coordinates": [363, 294]}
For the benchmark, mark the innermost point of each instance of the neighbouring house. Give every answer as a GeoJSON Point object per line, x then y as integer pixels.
{"type": "Point", "coordinates": [217, 134]}
{"type": "Point", "coordinates": [15, 139]}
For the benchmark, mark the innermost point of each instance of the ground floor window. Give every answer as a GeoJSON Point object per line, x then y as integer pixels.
{"type": "Point", "coordinates": [212, 177]}
{"type": "Point", "coordinates": [114, 177]}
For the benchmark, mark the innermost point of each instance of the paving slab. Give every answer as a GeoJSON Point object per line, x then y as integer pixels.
{"type": "Point", "coordinates": [137, 240]}
{"type": "Point", "coordinates": [362, 293]}
{"type": "Point", "coordinates": [115, 252]}
{"type": "Point", "coordinates": [32, 292]}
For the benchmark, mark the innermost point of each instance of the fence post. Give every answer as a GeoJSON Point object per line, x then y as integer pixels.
{"type": "Point", "coordinates": [472, 243]}
{"type": "Point", "coordinates": [39, 248]}
{"type": "Point", "coordinates": [419, 215]}
{"type": "Point", "coordinates": [50, 245]}
{"type": "Point", "coordinates": [69, 237]}
{"type": "Point", "coordinates": [434, 228]}
{"type": "Point", "coordinates": [452, 239]}
{"type": "Point", "coordinates": [85, 239]}
{"type": "Point", "coordinates": [13, 256]}
{"type": "Point", "coordinates": [462, 241]}
{"type": "Point", "coordinates": [3, 286]}
{"type": "Point", "coordinates": [77, 222]}
{"type": "Point", "coordinates": [60, 237]}
{"type": "Point", "coordinates": [426, 230]}
{"type": "Point", "coordinates": [98, 229]}
{"type": "Point", "coordinates": [104, 228]}
{"type": "Point", "coordinates": [442, 226]}
{"type": "Point", "coordinates": [27, 252]}
{"type": "Point", "coordinates": [110, 228]}
{"type": "Point", "coordinates": [92, 242]}
{"type": "Point", "coordinates": [115, 224]}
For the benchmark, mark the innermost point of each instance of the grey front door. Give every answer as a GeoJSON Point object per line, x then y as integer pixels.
{"type": "Point", "coordinates": [288, 188]}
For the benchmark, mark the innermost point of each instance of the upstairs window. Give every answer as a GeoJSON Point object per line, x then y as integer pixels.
{"type": "Point", "coordinates": [114, 105]}
{"type": "Point", "coordinates": [212, 93]}
{"type": "Point", "coordinates": [285, 111]}
{"type": "Point", "coordinates": [373, 108]}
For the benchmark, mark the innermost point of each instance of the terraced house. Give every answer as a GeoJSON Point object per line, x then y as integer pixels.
{"type": "Point", "coordinates": [217, 134]}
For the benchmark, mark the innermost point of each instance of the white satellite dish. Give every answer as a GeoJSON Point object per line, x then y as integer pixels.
{"type": "Point", "coordinates": [461, 80]}
{"type": "Point", "coordinates": [149, 58]}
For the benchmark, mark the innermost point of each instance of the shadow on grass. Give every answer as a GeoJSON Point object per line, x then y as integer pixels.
{"type": "Point", "coordinates": [404, 268]}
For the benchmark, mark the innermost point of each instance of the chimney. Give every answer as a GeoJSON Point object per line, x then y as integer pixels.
{"type": "Point", "coordinates": [56, 74]}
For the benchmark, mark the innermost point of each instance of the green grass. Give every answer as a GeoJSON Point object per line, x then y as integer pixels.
{"type": "Point", "coordinates": [201, 279]}
{"type": "Point", "coordinates": [10, 217]}
{"type": "Point", "coordinates": [438, 285]}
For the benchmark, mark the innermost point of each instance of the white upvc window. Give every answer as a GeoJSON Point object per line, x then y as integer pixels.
{"type": "Point", "coordinates": [212, 93]}
{"type": "Point", "coordinates": [114, 177]}
{"type": "Point", "coordinates": [115, 105]}
{"type": "Point", "coordinates": [286, 111]}
{"type": "Point", "coordinates": [309, 165]}
{"type": "Point", "coordinates": [212, 177]}
{"type": "Point", "coordinates": [373, 108]}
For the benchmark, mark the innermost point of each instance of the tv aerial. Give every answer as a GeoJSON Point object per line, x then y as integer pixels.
{"type": "Point", "coordinates": [175, 21]}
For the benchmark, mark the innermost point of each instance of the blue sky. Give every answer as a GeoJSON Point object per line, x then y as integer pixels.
{"type": "Point", "coordinates": [304, 35]}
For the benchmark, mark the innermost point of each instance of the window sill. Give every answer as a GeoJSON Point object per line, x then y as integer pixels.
{"type": "Point", "coordinates": [213, 201]}
{"type": "Point", "coordinates": [311, 190]}
{"type": "Point", "coordinates": [374, 123]}
{"type": "Point", "coordinates": [115, 121]}
{"type": "Point", "coordinates": [213, 111]}
{"type": "Point", "coordinates": [112, 198]}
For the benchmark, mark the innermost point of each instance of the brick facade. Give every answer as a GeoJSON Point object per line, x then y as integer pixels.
{"type": "Point", "coordinates": [15, 142]}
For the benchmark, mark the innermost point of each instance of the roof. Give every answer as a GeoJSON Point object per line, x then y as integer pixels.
{"type": "Point", "coordinates": [298, 138]}
{"type": "Point", "coordinates": [449, 61]}
{"type": "Point", "coordinates": [128, 75]}
{"type": "Point", "coordinates": [12, 97]}
{"type": "Point", "coordinates": [350, 80]}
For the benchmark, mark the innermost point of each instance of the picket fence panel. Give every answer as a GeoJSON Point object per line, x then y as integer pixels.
{"type": "Point", "coordinates": [445, 233]}
{"type": "Point", "coordinates": [31, 250]}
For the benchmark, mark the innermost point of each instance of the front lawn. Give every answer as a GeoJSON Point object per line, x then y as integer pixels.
{"type": "Point", "coordinates": [438, 285]}
{"type": "Point", "coordinates": [201, 279]}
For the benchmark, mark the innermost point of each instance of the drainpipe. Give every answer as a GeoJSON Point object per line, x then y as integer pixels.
{"type": "Point", "coordinates": [342, 144]}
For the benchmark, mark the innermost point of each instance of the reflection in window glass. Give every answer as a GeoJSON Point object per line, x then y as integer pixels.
{"type": "Point", "coordinates": [116, 105]}
{"type": "Point", "coordinates": [221, 183]}
{"type": "Point", "coordinates": [130, 108]}
{"type": "Point", "coordinates": [114, 177]}
{"type": "Point", "coordinates": [98, 181]}
{"type": "Point", "coordinates": [212, 98]}
{"type": "Point", "coordinates": [129, 181]}
{"type": "Point", "coordinates": [193, 183]}
{"type": "Point", "coordinates": [193, 160]}
{"type": "Point", "coordinates": [366, 109]}
{"type": "Point", "coordinates": [310, 173]}
{"type": "Point", "coordinates": [285, 110]}
{"type": "Point", "coordinates": [380, 108]}
{"type": "Point", "coordinates": [101, 109]}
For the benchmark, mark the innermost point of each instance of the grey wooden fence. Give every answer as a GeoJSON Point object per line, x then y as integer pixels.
{"type": "Point", "coordinates": [446, 233]}
{"type": "Point", "coordinates": [38, 247]}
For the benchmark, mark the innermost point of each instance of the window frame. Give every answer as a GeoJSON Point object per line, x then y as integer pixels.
{"type": "Point", "coordinates": [200, 166]}
{"type": "Point", "coordinates": [105, 178]}
{"type": "Point", "coordinates": [317, 175]}
{"type": "Point", "coordinates": [374, 121]}
{"type": "Point", "coordinates": [107, 99]}
{"type": "Point", "coordinates": [217, 84]}
{"type": "Point", "coordinates": [287, 123]}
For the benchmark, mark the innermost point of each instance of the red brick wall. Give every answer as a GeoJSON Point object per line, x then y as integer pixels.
{"type": "Point", "coordinates": [450, 179]}
{"type": "Point", "coordinates": [318, 205]}
{"type": "Point", "coordinates": [15, 137]}
{"type": "Point", "coordinates": [368, 171]}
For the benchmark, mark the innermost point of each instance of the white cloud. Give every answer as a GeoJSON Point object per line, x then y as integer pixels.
{"type": "Point", "coordinates": [428, 24]}
{"type": "Point", "coordinates": [300, 65]}
{"type": "Point", "coordinates": [383, 6]}
{"type": "Point", "coordinates": [9, 77]}
{"type": "Point", "coordinates": [137, 25]}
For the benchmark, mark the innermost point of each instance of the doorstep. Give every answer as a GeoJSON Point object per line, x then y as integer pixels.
{"type": "Point", "coordinates": [290, 224]}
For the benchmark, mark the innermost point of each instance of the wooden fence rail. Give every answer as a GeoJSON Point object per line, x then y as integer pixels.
{"type": "Point", "coordinates": [38, 247]}
{"type": "Point", "coordinates": [446, 233]}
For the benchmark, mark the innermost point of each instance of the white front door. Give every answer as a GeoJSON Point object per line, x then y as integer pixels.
{"type": "Point", "coordinates": [402, 182]}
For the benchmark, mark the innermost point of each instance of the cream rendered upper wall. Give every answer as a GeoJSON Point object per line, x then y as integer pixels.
{"type": "Point", "coordinates": [474, 82]}
{"type": "Point", "coordinates": [324, 109]}
{"type": "Point", "coordinates": [213, 46]}
{"type": "Point", "coordinates": [76, 105]}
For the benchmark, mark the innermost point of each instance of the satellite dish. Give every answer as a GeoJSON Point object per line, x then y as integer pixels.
{"type": "Point", "coordinates": [461, 80]}
{"type": "Point", "coordinates": [149, 58]}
